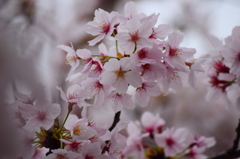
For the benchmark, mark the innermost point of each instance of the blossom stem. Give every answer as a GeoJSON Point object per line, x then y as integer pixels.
{"type": "Point", "coordinates": [115, 121]}
{"type": "Point", "coordinates": [104, 56]}
{"type": "Point", "coordinates": [69, 111]}
{"type": "Point", "coordinates": [117, 46]}
{"type": "Point", "coordinates": [70, 105]}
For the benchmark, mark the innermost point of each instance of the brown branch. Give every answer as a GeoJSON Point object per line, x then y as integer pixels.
{"type": "Point", "coordinates": [115, 121]}
{"type": "Point", "coordinates": [232, 152]}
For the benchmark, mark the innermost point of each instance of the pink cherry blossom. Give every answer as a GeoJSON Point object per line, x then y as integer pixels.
{"type": "Point", "coordinates": [94, 87]}
{"type": "Point", "coordinates": [119, 74]}
{"type": "Point", "coordinates": [64, 154]}
{"type": "Point", "coordinates": [232, 55]}
{"type": "Point", "coordinates": [152, 123]}
{"type": "Point", "coordinates": [195, 153]}
{"type": "Point", "coordinates": [75, 95]}
{"type": "Point", "coordinates": [81, 130]}
{"type": "Point", "coordinates": [117, 141]}
{"type": "Point", "coordinates": [102, 25]}
{"type": "Point", "coordinates": [135, 35]}
{"type": "Point", "coordinates": [134, 141]}
{"type": "Point", "coordinates": [176, 56]}
{"type": "Point", "coordinates": [73, 145]}
{"type": "Point", "coordinates": [161, 32]}
{"type": "Point", "coordinates": [91, 150]}
{"type": "Point", "coordinates": [72, 58]}
{"type": "Point", "coordinates": [117, 101]}
{"type": "Point", "coordinates": [195, 66]}
{"type": "Point", "coordinates": [148, 55]}
{"type": "Point", "coordinates": [27, 148]}
{"type": "Point", "coordinates": [172, 140]}
{"type": "Point", "coordinates": [172, 79]}
{"type": "Point", "coordinates": [144, 92]}
{"type": "Point", "coordinates": [204, 142]}
{"type": "Point", "coordinates": [40, 115]}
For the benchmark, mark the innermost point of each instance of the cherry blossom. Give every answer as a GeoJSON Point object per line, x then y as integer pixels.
{"type": "Point", "coordinates": [94, 87]}
{"type": "Point", "coordinates": [40, 115]}
{"type": "Point", "coordinates": [136, 35]}
{"type": "Point", "coordinates": [72, 58]}
{"type": "Point", "coordinates": [117, 101]}
{"type": "Point", "coordinates": [152, 123]}
{"type": "Point", "coordinates": [102, 25]}
{"type": "Point", "coordinates": [75, 95]}
{"type": "Point", "coordinates": [172, 140]}
{"type": "Point", "coordinates": [119, 74]}
{"type": "Point", "coordinates": [143, 93]}
{"type": "Point", "coordinates": [62, 153]}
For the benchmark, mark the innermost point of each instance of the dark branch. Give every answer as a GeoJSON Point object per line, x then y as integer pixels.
{"type": "Point", "coordinates": [232, 152]}
{"type": "Point", "coordinates": [115, 121]}
{"type": "Point", "coordinates": [236, 141]}
{"type": "Point", "coordinates": [226, 155]}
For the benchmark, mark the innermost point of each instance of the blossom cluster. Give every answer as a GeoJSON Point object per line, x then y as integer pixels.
{"type": "Point", "coordinates": [42, 135]}
{"type": "Point", "coordinates": [224, 69]}
{"type": "Point", "coordinates": [147, 139]}
{"type": "Point", "coordinates": [142, 57]}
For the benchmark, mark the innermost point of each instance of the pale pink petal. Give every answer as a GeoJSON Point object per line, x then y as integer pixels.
{"type": "Point", "coordinates": [53, 110]}
{"type": "Point", "coordinates": [235, 69]}
{"type": "Point", "coordinates": [130, 9]}
{"type": "Point", "coordinates": [111, 65]}
{"type": "Point", "coordinates": [163, 30]}
{"type": "Point", "coordinates": [66, 48]}
{"type": "Point", "coordinates": [96, 40]}
{"type": "Point", "coordinates": [133, 24]}
{"type": "Point", "coordinates": [142, 98]}
{"type": "Point", "coordinates": [213, 94]}
{"type": "Point", "coordinates": [84, 53]}
{"type": "Point", "coordinates": [121, 86]}
{"type": "Point", "coordinates": [108, 78]}
{"type": "Point", "coordinates": [215, 41]}
{"type": "Point", "coordinates": [133, 78]}
{"type": "Point", "coordinates": [175, 39]}
{"type": "Point", "coordinates": [127, 102]}
{"type": "Point", "coordinates": [144, 42]}
{"type": "Point", "coordinates": [126, 63]}
{"type": "Point", "coordinates": [153, 90]}
{"type": "Point", "coordinates": [22, 97]}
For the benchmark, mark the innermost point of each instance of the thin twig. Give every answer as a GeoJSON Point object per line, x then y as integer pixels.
{"type": "Point", "coordinates": [115, 121]}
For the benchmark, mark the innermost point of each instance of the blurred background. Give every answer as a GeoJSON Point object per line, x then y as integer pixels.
{"type": "Point", "coordinates": [30, 30]}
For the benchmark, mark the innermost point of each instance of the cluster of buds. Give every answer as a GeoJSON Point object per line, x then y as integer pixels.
{"type": "Point", "coordinates": [224, 69]}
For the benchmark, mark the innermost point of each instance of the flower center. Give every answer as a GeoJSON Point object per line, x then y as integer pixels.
{"type": "Point", "coordinates": [134, 36]}
{"type": "Point", "coordinates": [72, 96]}
{"type": "Point", "coordinates": [174, 52]}
{"type": "Point", "coordinates": [41, 115]}
{"type": "Point", "coordinates": [105, 27]}
{"type": "Point", "coordinates": [142, 53]}
{"type": "Point", "coordinates": [169, 141]}
{"type": "Point", "coordinates": [61, 157]}
{"type": "Point", "coordinates": [120, 74]}
{"type": "Point", "coordinates": [77, 130]}
{"type": "Point", "coordinates": [220, 67]}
